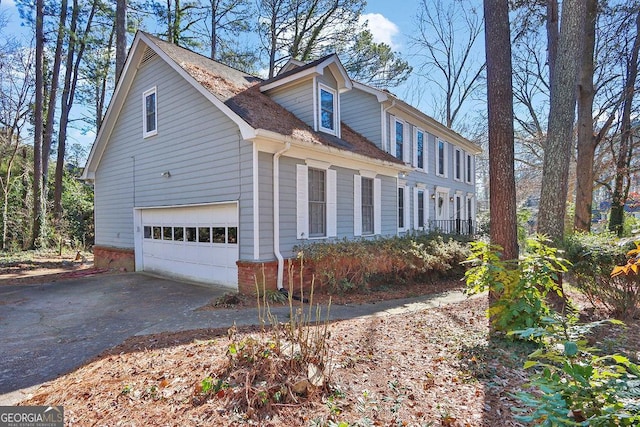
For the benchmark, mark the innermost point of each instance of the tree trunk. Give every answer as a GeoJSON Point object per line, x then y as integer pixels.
{"type": "Point", "coordinates": [502, 186]}
{"type": "Point", "coordinates": [70, 81]}
{"type": "Point", "coordinates": [37, 233]}
{"type": "Point", "coordinates": [121, 36]}
{"type": "Point", "coordinates": [552, 37]}
{"type": "Point", "coordinates": [51, 104]}
{"type": "Point", "coordinates": [214, 29]}
{"type": "Point", "coordinates": [557, 153]}
{"type": "Point", "coordinates": [586, 138]}
{"type": "Point", "coordinates": [622, 178]}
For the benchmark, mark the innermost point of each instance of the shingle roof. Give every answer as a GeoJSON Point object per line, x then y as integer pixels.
{"type": "Point", "coordinates": [241, 93]}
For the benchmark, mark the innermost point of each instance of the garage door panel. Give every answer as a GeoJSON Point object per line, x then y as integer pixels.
{"type": "Point", "coordinates": [170, 251]}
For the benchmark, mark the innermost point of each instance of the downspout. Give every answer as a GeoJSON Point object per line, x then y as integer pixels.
{"type": "Point", "coordinates": [276, 213]}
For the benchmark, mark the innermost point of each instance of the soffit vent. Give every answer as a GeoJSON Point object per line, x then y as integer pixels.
{"type": "Point", "coordinates": [147, 56]}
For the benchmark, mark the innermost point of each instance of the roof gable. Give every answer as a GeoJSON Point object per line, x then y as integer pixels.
{"type": "Point", "coordinates": [295, 72]}
{"type": "Point", "coordinates": [237, 94]}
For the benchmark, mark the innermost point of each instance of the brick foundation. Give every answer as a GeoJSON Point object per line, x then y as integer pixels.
{"type": "Point", "coordinates": [249, 272]}
{"type": "Point", "coordinates": [114, 258]}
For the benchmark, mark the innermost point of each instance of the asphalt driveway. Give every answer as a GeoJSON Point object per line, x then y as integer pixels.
{"type": "Point", "coordinates": [49, 329]}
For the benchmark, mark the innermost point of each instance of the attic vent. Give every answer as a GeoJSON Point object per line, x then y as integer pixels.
{"type": "Point", "coordinates": [147, 55]}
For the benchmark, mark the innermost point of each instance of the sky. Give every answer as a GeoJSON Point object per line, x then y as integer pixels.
{"type": "Point", "coordinates": [389, 22]}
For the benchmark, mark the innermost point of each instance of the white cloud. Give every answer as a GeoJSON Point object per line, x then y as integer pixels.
{"type": "Point", "coordinates": [382, 29]}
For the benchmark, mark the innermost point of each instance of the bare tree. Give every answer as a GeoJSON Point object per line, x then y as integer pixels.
{"type": "Point", "coordinates": [502, 186]}
{"type": "Point", "coordinates": [227, 20]}
{"type": "Point", "coordinates": [446, 37]}
{"type": "Point", "coordinates": [557, 152]}
{"type": "Point", "coordinates": [37, 234]}
{"type": "Point", "coordinates": [623, 163]}
{"type": "Point", "coordinates": [586, 138]}
{"type": "Point", "coordinates": [121, 35]}
{"type": "Point", "coordinates": [16, 97]}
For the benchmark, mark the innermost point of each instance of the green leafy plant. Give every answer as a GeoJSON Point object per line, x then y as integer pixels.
{"type": "Point", "coordinates": [520, 286]}
{"type": "Point", "coordinates": [594, 259]}
{"type": "Point", "coordinates": [573, 385]}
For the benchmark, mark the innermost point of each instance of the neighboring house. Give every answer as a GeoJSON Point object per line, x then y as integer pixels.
{"type": "Point", "coordinates": [206, 173]}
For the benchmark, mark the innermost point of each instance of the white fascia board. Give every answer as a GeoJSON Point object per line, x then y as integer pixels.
{"type": "Point", "coordinates": [380, 95]}
{"type": "Point", "coordinates": [113, 110]}
{"type": "Point", "coordinates": [269, 141]}
{"type": "Point", "coordinates": [122, 90]}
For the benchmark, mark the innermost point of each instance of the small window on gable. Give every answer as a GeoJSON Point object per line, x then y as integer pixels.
{"type": "Point", "coordinates": [328, 110]}
{"type": "Point", "coordinates": [149, 113]}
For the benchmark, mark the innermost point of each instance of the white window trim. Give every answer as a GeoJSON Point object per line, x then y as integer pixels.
{"type": "Point", "coordinates": [406, 205]}
{"type": "Point", "coordinates": [145, 133]}
{"type": "Point", "coordinates": [336, 113]}
{"type": "Point", "coordinates": [469, 164]}
{"type": "Point", "coordinates": [425, 162]}
{"type": "Point", "coordinates": [302, 203]}
{"type": "Point", "coordinates": [444, 154]}
{"type": "Point", "coordinates": [357, 204]}
{"type": "Point", "coordinates": [460, 164]}
{"type": "Point", "coordinates": [425, 206]}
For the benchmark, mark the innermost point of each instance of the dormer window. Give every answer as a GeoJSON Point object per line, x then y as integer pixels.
{"type": "Point", "coordinates": [328, 110]}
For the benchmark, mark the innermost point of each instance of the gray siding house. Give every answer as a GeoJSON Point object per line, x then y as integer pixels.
{"type": "Point", "coordinates": [205, 173]}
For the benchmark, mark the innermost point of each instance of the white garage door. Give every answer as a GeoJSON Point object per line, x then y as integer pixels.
{"type": "Point", "coordinates": [197, 243]}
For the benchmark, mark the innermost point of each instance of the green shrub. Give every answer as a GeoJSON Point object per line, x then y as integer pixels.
{"type": "Point", "coordinates": [573, 384]}
{"type": "Point", "coordinates": [352, 265]}
{"type": "Point", "coordinates": [521, 286]}
{"type": "Point", "coordinates": [593, 258]}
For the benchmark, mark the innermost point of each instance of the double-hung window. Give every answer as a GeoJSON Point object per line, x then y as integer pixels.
{"type": "Point", "coordinates": [317, 203]}
{"type": "Point", "coordinates": [420, 209]}
{"type": "Point", "coordinates": [328, 110]}
{"type": "Point", "coordinates": [420, 149]}
{"type": "Point", "coordinates": [367, 206]}
{"type": "Point", "coordinates": [149, 113]}
{"type": "Point", "coordinates": [469, 170]}
{"type": "Point", "coordinates": [458, 164]}
{"type": "Point", "coordinates": [441, 160]}
{"type": "Point", "coordinates": [401, 207]}
{"type": "Point", "coordinates": [399, 138]}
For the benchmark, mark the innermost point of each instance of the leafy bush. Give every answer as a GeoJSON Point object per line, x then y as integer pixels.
{"type": "Point", "coordinates": [594, 258]}
{"type": "Point", "coordinates": [521, 286]}
{"type": "Point", "coordinates": [351, 265]}
{"type": "Point", "coordinates": [573, 384]}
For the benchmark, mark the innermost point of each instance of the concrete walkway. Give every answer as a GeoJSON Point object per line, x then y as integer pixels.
{"type": "Point", "coordinates": [50, 329]}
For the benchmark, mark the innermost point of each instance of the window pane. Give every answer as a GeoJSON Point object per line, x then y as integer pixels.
{"type": "Point", "coordinates": [420, 148]}
{"type": "Point", "coordinates": [147, 232]}
{"type": "Point", "coordinates": [190, 233]}
{"type": "Point", "coordinates": [178, 233]}
{"type": "Point", "coordinates": [420, 208]}
{"type": "Point", "coordinates": [150, 101]}
{"type": "Point", "coordinates": [441, 158]}
{"type": "Point", "coordinates": [458, 160]}
{"type": "Point", "coordinates": [232, 235]}
{"type": "Point", "coordinates": [317, 203]}
{"type": "Point", "coordinates": [219, 235]}
{"type": "Point", "coordinates": [399, 139]}
{"type": "Point", "coordinates": [167, 233]}
{"type": "Point", "coordinates": [157, 232]}
{"type": "Point", "coordinates": [204, 235]}
{"type": "Point", "coordinates": [400, 207]}
{"type": "Point", "coordinates": [326, 109]}
{"type": "Point", "coordinates": [367, 206]}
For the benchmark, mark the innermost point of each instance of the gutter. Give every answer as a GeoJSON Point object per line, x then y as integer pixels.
{"type": "Point", "coordinates": [276, 214]}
